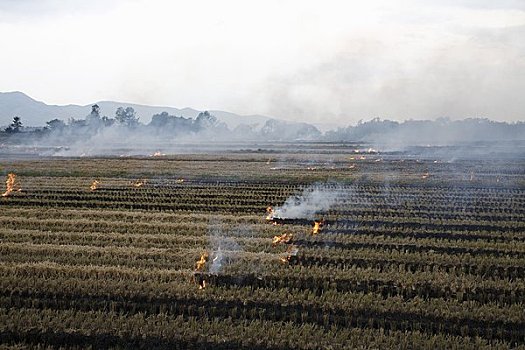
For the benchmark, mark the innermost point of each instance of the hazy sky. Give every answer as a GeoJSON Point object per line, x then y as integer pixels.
{"type": "Point", "coordinates": [317, 61]}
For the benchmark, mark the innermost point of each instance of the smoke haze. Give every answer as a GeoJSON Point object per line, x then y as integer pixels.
{"type": "Point", "coordinates": [222, 247]}
{"type": "Point", "coordinates": [315, 199]}
{"type": "Point", "coordinates": [338, 62]}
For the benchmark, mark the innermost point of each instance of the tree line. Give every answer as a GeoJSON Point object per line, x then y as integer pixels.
{"type": "Point", "coordinates": [439, 131]}
{"type": "Point", "coordinates": [164, 124]}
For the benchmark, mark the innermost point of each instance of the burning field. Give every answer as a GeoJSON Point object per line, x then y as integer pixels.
{"type": "Point", "coordinates": [237, 251]}
{"type": "Point", "coordinates": [11, 185]}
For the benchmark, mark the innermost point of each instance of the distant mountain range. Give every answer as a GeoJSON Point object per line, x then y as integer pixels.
{"type": "Point", "coordinates": [37, 113]}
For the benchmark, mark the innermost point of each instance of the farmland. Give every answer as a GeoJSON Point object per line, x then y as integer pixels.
{"type": "Point", "coordinates": [414, 252]}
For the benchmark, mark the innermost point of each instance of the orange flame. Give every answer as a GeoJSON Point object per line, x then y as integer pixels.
{"type": "Point", "coordinates": [317, 226]}
{"type": "Point", "coordinates": [425, 175]}
{"type": "Point", "coordinates": [179, 181]}
{"type": "Point", "coordinates": [284, 238]}
{"type": "Point", "coordinates": [291, 251]}
{"type": "Point", "coordinates": [11, 185]}
{"type": "Point", "coordinates": [270, 213]}
{"type": "Point", "coordinates": [199, 265]}
{"type": "Point", "coordinates": [94, 185]}
{"type": "Point", "coordinates": [139, 183]}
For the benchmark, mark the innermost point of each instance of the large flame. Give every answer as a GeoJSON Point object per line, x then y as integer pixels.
{"type": "Point", "coordinates": [284, 238]}
{"type": "Point", "coordinates": [94, 185]}
{"type": "Point", "coordinates": [11, 185]}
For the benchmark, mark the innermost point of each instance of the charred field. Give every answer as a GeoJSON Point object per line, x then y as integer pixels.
{"type": "Point", "coordinates": [415, 249]}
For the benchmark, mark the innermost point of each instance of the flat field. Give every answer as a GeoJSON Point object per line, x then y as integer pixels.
{"type": "Point", "coordinates": [416, 251]}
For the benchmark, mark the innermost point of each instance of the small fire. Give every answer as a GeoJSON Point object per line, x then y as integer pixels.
{"type": "Point", "coordinates": [179, 181]}
{"type": "Point", "coordinates": [317, 226]}
{"type": "Point", "coordinates": [199, 266]}
{"type": "Point", "coordinates": [94, 185]}
{"type": "Point", "coordinates": [269, 161]}
{"type": "Point", "coordinates": [139, 183]}
{"type": "Point", "coordinates": [157, 154]}
{"type": "Point", "coordinates": [284, 238]}
{"type": "Point", "coordinates": [425, 175]}
{"type": "Point", "coordinates": [11, 185]}
{"type": "Point", "coordinates": [269, 212]}
{"type": "Point", "coordinates": [291, 251]}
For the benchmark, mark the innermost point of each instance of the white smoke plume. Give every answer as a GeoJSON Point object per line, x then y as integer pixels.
{"type": "Point", "coordinates": [314, 199]}
{"type": "Point", "coordinates": [223, 248]}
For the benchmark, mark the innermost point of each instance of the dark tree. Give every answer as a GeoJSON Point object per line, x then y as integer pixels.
{"type": "Point", "coordinates": [107, 121]}
{"type": "Point", "coordinates": [205, 120]}
{"type": "Point", "coordinates": [93, 119]}
{"type": "Point", "coordinates": [166, 123]}
{"type": "Point", "coordinates": [95, 111]}
{"type": "Point", "coordinates": [126, 116]}
{"type": "Point", "coordinates": [55, 124]}
{"type": "Point", "coordinates": [15, 126]}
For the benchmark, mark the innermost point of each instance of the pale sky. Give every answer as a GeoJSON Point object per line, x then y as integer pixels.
{"type": "Point", "coordinates": [314, 61]}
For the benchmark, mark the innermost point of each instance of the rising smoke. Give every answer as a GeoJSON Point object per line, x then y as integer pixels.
{"type": "Point", "coordinates": [223, 248]}
{"type": "Point", "coordinates": [315, 199]}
